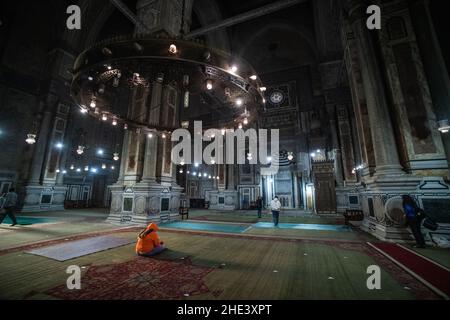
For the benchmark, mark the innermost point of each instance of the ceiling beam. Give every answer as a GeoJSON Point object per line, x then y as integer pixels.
{"type": "Point", "coordinates": [249, 15]}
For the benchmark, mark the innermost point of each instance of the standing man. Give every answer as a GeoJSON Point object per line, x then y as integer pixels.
{"type": "Point", "coordinates": [275, 206]}
{"type": "Point", "coordinates": [414, 216]}
{"type": "Point", "coordinates": [259, 206]}
{"type": "Point", "coordinates": [9, 205]}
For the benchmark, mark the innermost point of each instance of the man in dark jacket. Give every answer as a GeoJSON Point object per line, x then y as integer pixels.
{"type": "Point", "coordinates": [259, 206]}
{"type": "Point", "coordinates": [414, 216]}
{"type": "Point", "coordinates": [9, 205]}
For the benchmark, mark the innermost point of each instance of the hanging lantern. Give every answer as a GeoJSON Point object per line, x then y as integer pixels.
{"type": "Point", "coordinates": [209, 84]}
{"type": "Point", "coordinates": [114, 122]}
{"type": "Point", "coordinates": [86, 168]}
{"type": "Point", "coordinates": [80, 150]}
{"type": "Point", "coordinates": [290, 156]}
{"type": "Point", "coordinates": [115, 156]}
{"type": "Point", "coordinates": [31, 138]}
{"type": "Point", "coordinates": [173, 49]}
{"type": "Point", "coordinates": [125, 126]}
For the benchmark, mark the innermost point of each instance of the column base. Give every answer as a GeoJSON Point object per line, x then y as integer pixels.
{"type": "Point", "coordinates": [37, 198]}
{"type": "Point", "coordinates": [144, 203]}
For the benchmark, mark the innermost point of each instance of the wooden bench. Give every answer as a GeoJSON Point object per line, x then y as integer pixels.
{"type": "Point", "coordinates": [353, 215]}
{"type": "Point", "coordinates": [184, 211]}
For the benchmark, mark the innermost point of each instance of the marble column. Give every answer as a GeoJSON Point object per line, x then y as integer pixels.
{"type": "Point", "coordinates": [39, 149]}
{"type": "Point", "coordinates": [435, 68]}
{"type": "Point", "coordinates": [337, 151]}
{"type": "Point", "coordinates": [386, 154]}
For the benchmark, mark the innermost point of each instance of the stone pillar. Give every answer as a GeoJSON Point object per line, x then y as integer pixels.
{"type": "Point", "coordinates": [386, 155]}
{"type": "Point", "coordinates": [337, 151]}
{"type": "Point", "coordinates": [39, 149]}
{"type": "Point", "coordinates": [433, 62]}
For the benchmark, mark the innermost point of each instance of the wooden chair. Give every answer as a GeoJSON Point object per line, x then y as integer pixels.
{"type": "Point", "coordinates": [184, 211]}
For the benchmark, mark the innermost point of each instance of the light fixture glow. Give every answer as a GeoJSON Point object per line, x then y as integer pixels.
{"type": "Point", "coordinates": [239, 102]}
{"type": "Point", "coordinates": [196, 164]}
{"type": "Point", "coordinates": [233, 68]}
{"type": "Point", "coordinates": [114, 122]}
{"type": "Point", "coordinates": [100, 151]}
{"type": "Point", "coordinates": [72, 167]}
{"type": "Point", "coordinates": [150, 135]}
{"type": "Point", "coordinates": [103, 166]}
{"type": "Point", "coordinates": [78, 170]}
{"type": "Point", "coordinates": [240, 126]}
{"type": "Point", "coordinates": [245, 121]}
{"type": "Point", "coordinates": [290, 156]}
{"type": "Point", "coordinates": [163, 136]}
{"type": "Point", "coordinates": [31, 138]}
{"type": "Point", "coordinates": [253, 77]}
{"type": "Point", "coordinates": [262, 89]}
{"type": "Point", "coordinates": [222, 131]}
{"type": "Point", "coordinates": [80, 150]}
{"type": "Point", "coordinates": [173, 49]}
{"type": "Point", "coordinates": [115, 156]}
{"type": "Point", "coordinates": [181, 171]}
{"type": "Point", "coordinates": [59, 145]}
{"type": "Point", "coordinates": [93, 104]}
{"type": "Point", "coordinates": [104, 117]}
{"type": "Point", "coordinates": [269, 159]}
{"type": "Point", "coordinates": [112, 167]}
{"type": "Point", "coordinates": [86, 168]}
{"type": "Point", "coordinates": [209, 84]}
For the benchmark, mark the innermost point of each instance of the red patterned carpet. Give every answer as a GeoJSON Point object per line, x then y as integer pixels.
{"type": "Point", "coordinates": [140, 278]}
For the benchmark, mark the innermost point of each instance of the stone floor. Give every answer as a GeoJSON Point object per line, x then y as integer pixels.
{"type": "Point", "coordinates": [257, 264]}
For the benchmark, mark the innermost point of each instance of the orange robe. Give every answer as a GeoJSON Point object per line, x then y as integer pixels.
{"type": "Point", "coordinates": [148, 242]}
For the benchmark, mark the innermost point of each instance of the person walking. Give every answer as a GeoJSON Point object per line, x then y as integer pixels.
{"type": "Point", "coordinates": [9, 206]}
{"type": "Point", "coordinates": [259, 206]}
{"type": "Point", "coordinates": [414, 216]}
{"type": "Point", "coordinates": [275, 206]}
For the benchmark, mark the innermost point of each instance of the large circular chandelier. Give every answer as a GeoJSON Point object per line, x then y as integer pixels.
{"type": "Point", "coordinates": [115, 66]}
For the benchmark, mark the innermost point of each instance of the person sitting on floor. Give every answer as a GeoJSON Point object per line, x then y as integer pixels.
{"type": "Point", "coordinates": [148, 243]}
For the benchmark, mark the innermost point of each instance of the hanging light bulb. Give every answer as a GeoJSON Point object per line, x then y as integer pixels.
{"type": "Point", "coordinates": [163, 136]}
{"type": "Point", "coordinates": [93, 104]}
{"type": "Point", "coordinates": [83, 110]}
{"type": "Point", "coordinates": [72, 167]}
{"type": "Point", "coordinates": [290, 156]}
{"type": "Point", "coordinates": [213, 161]}
{"type": "Point", "coordinates": [239, 102]}
{"type": "Point", "coordinates": [218, 177]}
{"type": "Point", "coordinates": [115, 156]}
{"type": "Point", "coordinates": [112, 167]}
{"type": "Point", "coordinates": [249, 156]}
{"type": "Point", "coordinates": [57, 171]}
{"type": "Point", "coordinates": [31, 138]}
{"type": "Point", "coordinates": [240, 126]}
{"type": "Point", "coordinates": [64, 172]}
{"type": "Point", "coordinates": [114, 122]}
{"type": "Point", "coordinates": [90, 78]}
{"type": "Point", "coordinates": [86, 168]}
{"type": "Point", "coordinates": [103, 166]}
{"type": "Point", "coordinates": [253, 77]}
{"type": "Point", "coordinates": [209, 177]}
{"type": "Point", "coordinates": [245, 121]}
{"type": "Point", "coordinates": [104, 117]}
{"type": "Point", "coordinates": [181, 171]}
{"type": "Point", "coordinates": [209, 84]}
{"type": "Point", "coordinates": [233, 69]}
{"type": "Point", "coordinates": [150, 135]}
{"type": "Point", "coordinates": [80, 150]}
{"type": "Point", "coordinates": [78, 170]}
{"type": "Point", "coordinates": [125, 126]}
{"type": "Point", "coordinates": [173, 49]}
{"type": "Point", "coordinates": [262, 89]}
{"type": "Point", "coordinates": [182, 163]}
{"type": "Point", "coordinates": [205, 174]}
